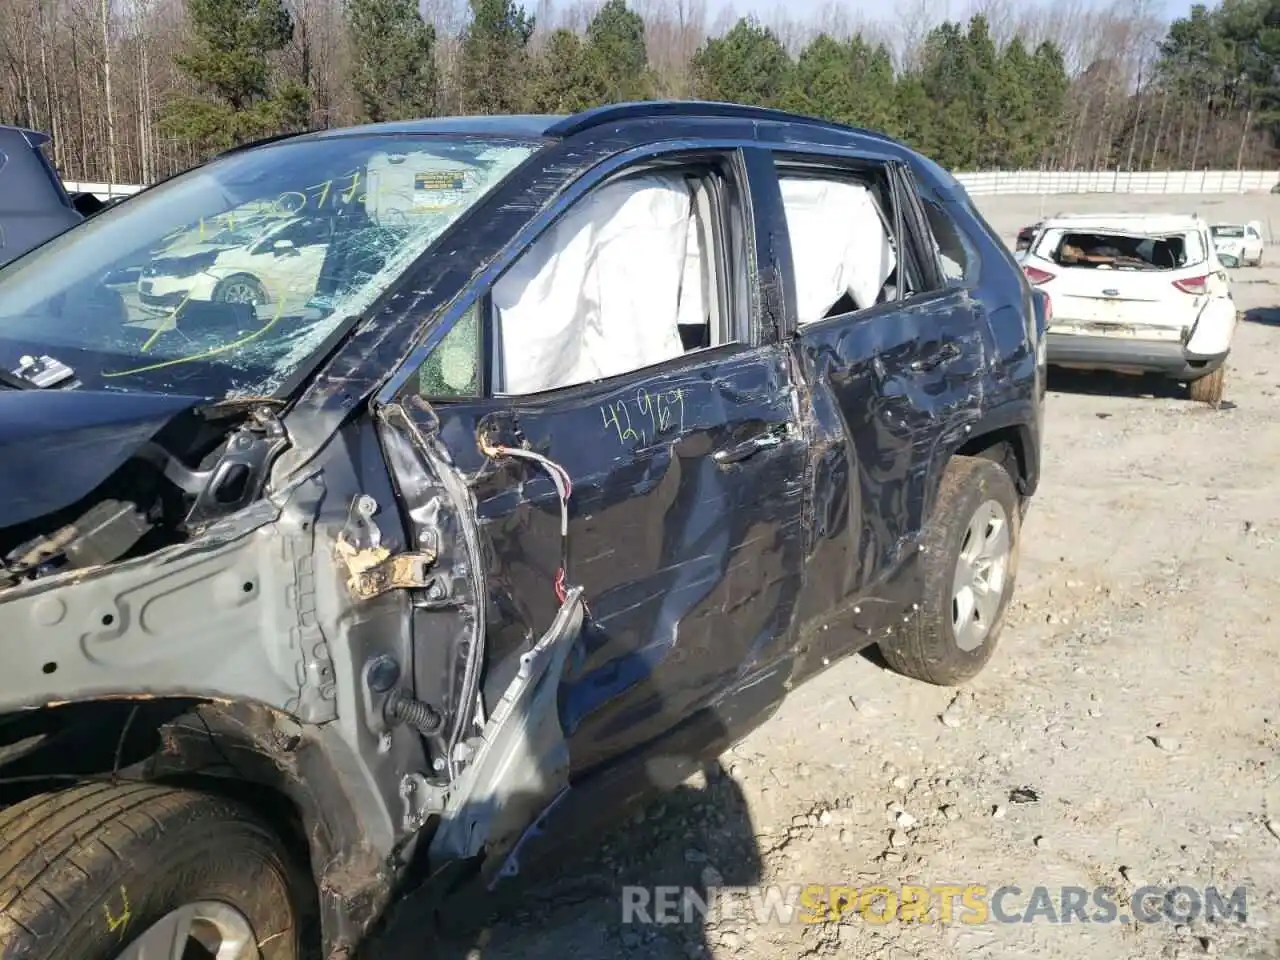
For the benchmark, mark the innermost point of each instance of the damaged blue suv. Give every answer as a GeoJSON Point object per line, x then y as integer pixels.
{"type": "Point", "coordinates": [383, 502]}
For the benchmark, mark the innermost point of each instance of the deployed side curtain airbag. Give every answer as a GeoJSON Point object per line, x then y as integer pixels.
{"type": "Point", "coordinates": [695, 293]}
{"type": "Point", "coordinates": [838, 244]}
{"type": "Point", "coordinates": [599, 293]}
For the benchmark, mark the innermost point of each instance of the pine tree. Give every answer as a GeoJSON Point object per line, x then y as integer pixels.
{"type": "Point", "coordinates": [746, 65]}
{"type": "Point", "coordinates": [393, 68]}
{"type": "Point", "coordinates": [557, 79]}
{"type": "Point", "coordinates": [615, 57]}
{"type": "Point", "coordinates": [227, 60]}
{"type": "Point", "coordinates": [494, 57]}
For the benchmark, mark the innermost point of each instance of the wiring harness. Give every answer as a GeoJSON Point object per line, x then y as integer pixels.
{"type": "Point", "coordinates": [564, 487]}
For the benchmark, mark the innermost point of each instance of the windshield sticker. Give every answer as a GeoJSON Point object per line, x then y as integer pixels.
{"type": "Point", "coordinates": [440, 189]}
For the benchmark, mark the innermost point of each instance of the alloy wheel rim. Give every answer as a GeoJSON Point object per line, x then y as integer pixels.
{"type": "Point", "coordinates": [241, 293]}
{"type": "Point", "coordinates": [981, 574]}
{"type": "Point", "coordinates": [206, 929]}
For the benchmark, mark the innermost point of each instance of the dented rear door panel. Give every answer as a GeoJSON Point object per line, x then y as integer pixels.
{"type": "Point", "coordinates": [891, 392]}
{"type": "Point", "coordinates": [690, 566]}
{"type": "Point", "coordinates": [892, 389]}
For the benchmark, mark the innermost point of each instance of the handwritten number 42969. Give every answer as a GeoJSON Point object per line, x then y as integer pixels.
{"type": "Point", "coordinates": [646, 417]}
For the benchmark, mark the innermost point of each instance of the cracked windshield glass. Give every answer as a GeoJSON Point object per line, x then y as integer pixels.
{"type": "Point", "coordinates": [225, 281]}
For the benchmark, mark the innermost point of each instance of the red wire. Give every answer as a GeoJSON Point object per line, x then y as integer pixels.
{"type": "Point", "coordinates": [560, 581]}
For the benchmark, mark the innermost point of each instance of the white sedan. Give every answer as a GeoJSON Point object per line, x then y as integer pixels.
{"type": "Point", "coordinates": [1241, 242]}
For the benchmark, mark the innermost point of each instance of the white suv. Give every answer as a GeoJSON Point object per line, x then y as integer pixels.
{"type": "Point", "coordinates": [1136, 293]}
{"type": "Point", "coordinates": [1239, 244]}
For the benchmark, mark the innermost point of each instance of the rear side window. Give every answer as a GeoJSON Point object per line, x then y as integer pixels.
{"type": "Point", "coordinates": [958, 260]}
{"type": "Point", "coordinates": [1118, 251]}
{"type": "Point", "coordinates": [843, 226]}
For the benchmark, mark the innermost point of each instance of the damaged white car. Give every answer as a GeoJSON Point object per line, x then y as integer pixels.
{"type": "Point", "coordinates": [1136, 294]}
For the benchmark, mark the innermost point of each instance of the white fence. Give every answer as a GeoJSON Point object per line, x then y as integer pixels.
{"type": "Point", "coordinates": [1026, 182]}
{"type": "Point", "coordinates": [1114, 181]}
{"type": "Point", "coordinates": [104, 191]}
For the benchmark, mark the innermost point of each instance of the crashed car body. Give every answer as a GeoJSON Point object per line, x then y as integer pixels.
{"type": "Point", "coordinates": [598, 435]}
{"type": "Point", "coordinates": [34, 206]}
{"type": "Point", "coordinates": [1136, 293]}
{"type": "Point", "coordinates": [1238, 244]}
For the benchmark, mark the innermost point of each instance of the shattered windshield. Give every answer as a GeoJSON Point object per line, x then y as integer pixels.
{"type": "Point", "coordinates": [224, 281]}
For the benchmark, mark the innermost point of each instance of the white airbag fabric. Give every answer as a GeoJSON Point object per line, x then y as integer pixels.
{"type": "Point", "coordinates": [693, 293]}
{"type": "Point", "coordinates": [838, 244]}
{"type": "Point", "coordinates": [599, 293]}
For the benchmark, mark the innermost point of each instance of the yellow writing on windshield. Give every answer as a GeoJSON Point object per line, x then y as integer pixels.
{"type": "Point", "coordinates": [206, 354]}
{"type": "Point", "coordinates": [431, 191]}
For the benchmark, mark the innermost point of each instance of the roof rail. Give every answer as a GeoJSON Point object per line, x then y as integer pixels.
{"type": "Point", "coordinates": [647, 109]}
{"type": "Point", "coordinates": [275, 138]}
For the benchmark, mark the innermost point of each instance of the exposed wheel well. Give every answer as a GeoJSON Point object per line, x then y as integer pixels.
{"type": "Point", "coordinates": [233, 751]}
{"type": "Point", "coordinates": [1003, 446]}
{"type": "Point", "coordinates": [47, 749]}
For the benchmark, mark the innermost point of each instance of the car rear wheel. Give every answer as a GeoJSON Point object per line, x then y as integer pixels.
{"type": "Point", "coordinates": [1209, 389]}
{"type": "Point", "coordinates": [241, 288]}
{"type": "Point", "coordinates": [968, 565]}
{"type": "Point", "coordinates": [147, 872]}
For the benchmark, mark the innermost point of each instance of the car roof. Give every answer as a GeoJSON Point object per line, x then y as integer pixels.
{"type": "Point", "coordinates": [1146, 222]}
{"type": "Point", "coordinates": [562, 126]}
{"type": "Point", "coordinates": [637, 118]}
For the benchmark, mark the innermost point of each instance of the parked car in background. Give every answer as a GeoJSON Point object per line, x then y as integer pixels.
{"type": "Point", "coordinates": [1136, 293]}
{"type": "Point", "coordinates": [255, 260]}
{"type": "Point", "coordinates": [33, 204]}
{"type": "Point", "coordinates": [1238, 244]}
{"type": "Point", "coordinates": [591, 438]}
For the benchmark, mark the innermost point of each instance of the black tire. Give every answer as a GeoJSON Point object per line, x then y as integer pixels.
{"type": "Point", "coordinates": [1209, 389]}
{"type": "Point", "coordinates": [85, 871]}
{"type": "Point", "coordinates": [222, 292]}
{"type": "Point", "coordinates": [926, 648]}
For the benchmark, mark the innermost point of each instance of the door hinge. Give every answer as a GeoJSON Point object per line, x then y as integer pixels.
{"type": "Point", "coordinates": [374, 571]}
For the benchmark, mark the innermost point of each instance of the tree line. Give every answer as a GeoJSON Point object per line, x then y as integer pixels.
{"type": "Point", "coordinates": [135, 90]}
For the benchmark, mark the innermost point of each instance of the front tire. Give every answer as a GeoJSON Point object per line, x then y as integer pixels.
{"type": "Point", "coordinates": [240, 288]}
{"type": "Point", "coordinates": [129, 872]}
{"type": "Point", "coordinates": [968, 567]}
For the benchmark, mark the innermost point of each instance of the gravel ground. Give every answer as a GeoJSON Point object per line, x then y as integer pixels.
{"type": "Point", "coordinates": [1126, 733]}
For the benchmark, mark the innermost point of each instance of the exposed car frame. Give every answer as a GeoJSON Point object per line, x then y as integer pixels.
{"type": "Point", "coordinates": [339, 551]}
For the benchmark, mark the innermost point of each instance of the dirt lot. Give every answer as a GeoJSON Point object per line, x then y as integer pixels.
{"type": "Point", "coordinates": [1134, 695]}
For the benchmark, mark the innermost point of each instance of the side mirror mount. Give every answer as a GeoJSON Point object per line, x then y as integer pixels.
{"type": "Point", "coordinates": [284, 248]}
